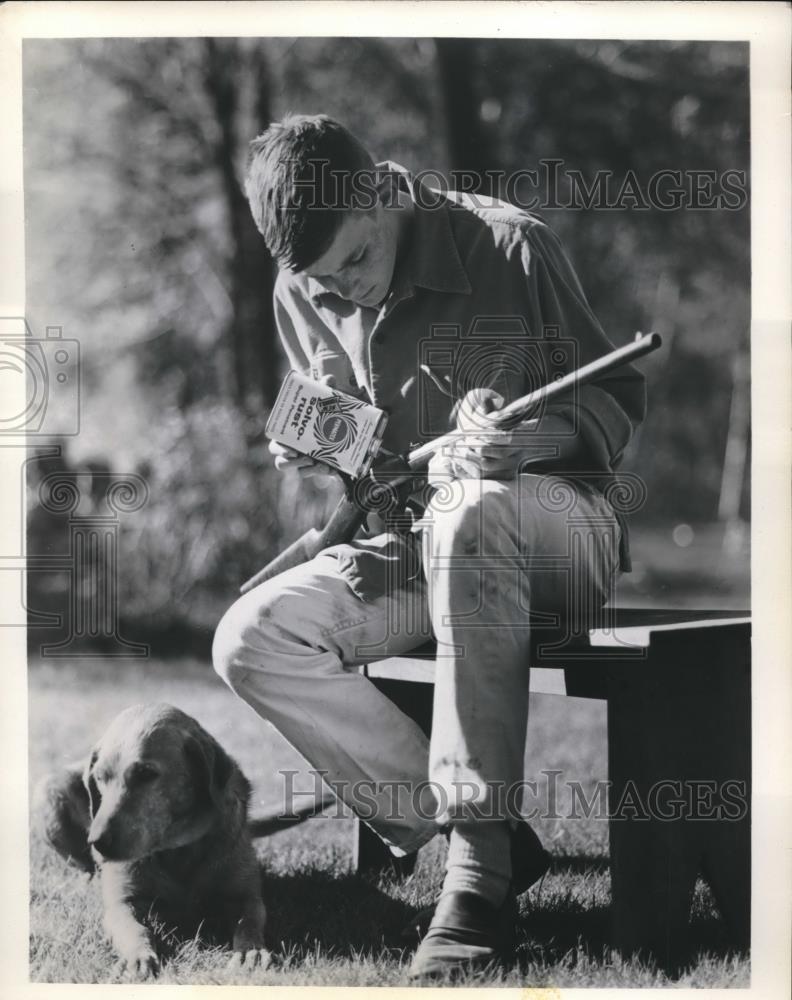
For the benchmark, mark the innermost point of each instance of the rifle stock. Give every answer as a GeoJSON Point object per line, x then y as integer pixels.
{"type": "Point", "coordinates": [349, 516]}
{"type": "Point", "coordinates": [342, 526]}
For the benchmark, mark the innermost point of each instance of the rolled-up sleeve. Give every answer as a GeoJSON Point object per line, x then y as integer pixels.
{"type": "Point", "coordinates": [606, 412]}
{"type": "Point", "coordinates": [288, 323]}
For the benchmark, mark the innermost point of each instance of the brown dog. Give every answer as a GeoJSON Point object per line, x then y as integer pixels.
{"type": "Point", "coordinates": [161, 810]}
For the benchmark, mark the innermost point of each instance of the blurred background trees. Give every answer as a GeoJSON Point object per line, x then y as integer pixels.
{"type": "Point", "coordinates": [140, 244]}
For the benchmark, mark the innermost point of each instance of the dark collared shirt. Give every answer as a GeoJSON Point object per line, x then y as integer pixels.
{"type": "Point", "coordinates": [483, 294]}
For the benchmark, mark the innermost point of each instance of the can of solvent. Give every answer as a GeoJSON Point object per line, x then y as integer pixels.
{"type": "Point", "coordinates": [329, 426]}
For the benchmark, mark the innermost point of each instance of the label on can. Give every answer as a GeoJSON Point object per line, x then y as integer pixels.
{"type": "Point", "coordinates": [328, 425]}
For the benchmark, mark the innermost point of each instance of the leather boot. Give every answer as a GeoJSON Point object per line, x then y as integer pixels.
{"type": "Point", "coordinates": [467, 934]}
{"type": "Point", "coordinates": [529, 862]}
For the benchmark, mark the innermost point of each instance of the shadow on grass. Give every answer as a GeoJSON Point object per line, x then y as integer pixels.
{"type": "Point", "coordinates": [318, 918]}
{"type": "Point", "coordinates": [349, 917]}
{"type": "Point", "coordinates": [344, 916]}
{"type": "Point", "coordinates": [581, 864]}
{"type": "Point", "coordinates": [547, 933]}
{"type": "Point", "coordinates": [554, 927]}
{"type": "Point", "coordinates": [308, 912]}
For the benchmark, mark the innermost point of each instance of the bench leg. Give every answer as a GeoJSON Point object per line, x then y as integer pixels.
{"type": "Point", "coordinates": [683, 717]}
{"type": "Point", "coordinates": [370, 854]}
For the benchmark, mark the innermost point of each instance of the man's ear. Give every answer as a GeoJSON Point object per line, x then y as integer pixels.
{"type": "Point", "coordinates": [211, 767]}
{"type": "Point", "coordinates": [94, 796]}
{"type": "Point", "coordinates": [386, 184]}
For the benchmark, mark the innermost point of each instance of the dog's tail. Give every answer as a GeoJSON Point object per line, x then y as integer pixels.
{"type": "Point", "coordinates": [282, 818]}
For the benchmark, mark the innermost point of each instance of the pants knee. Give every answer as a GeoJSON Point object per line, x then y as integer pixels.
{"type": "Point", "coordinates": [259, 632]}
{"type": "Point", "coordinates": [225, 648]}
{"type": "Point", "coordinates": [458, 525]}
{"type": "Point", "coordinates": [233, 644]}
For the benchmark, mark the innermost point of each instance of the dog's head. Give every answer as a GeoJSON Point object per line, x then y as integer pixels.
{"type": "Point", "coordinates": [156, 780]}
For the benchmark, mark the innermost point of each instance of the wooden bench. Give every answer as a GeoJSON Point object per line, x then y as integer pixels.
{"type": "Point", "coordinates": [678, 691]}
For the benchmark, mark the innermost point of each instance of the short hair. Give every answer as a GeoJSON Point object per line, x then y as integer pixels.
{"type": "Point", "coordinates": [291, 185]}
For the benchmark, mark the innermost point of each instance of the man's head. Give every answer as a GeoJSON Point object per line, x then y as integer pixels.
{"type": "Point", "coordinates": [323, 208]}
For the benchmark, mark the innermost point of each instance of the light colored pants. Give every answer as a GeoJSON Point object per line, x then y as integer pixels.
{"type": "Point", "coordinates": [492, 553]}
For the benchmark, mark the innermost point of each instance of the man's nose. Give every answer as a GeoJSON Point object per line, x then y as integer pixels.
{"type": "Point", "coordinates": [338, 286]}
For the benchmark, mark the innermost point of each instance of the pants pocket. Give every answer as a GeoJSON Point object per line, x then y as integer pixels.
{"type": "Point", "coordinates": [375, 567]}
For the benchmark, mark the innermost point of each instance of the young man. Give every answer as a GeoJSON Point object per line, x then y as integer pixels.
{"type": "Point", "coordinates": [437, 308]}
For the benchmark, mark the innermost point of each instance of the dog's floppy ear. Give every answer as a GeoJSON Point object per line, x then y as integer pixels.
{"type": "Point", "coordinates": [61, 811]}
{"type": "Point", "coordinates": [94, 797]}
{"type": "Point", "coordinates": [211, 766]}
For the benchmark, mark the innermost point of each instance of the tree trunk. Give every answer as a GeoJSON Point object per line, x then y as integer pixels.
{"type": "Point", "coordinates": [251, 328]}
{"type": "Point", "coordinates": [736, 458]}
{"type": "Point", "coordinates": [469, 146]}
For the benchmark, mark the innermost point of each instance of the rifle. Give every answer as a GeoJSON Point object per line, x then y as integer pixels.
{"type": "Point", "coordinates": [396, 471]}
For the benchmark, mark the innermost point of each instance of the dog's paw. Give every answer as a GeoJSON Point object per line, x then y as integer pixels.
{"type": "Point", "coordinates": [253, 958]}
{"type": "Point", "coordinates": [142, 964]}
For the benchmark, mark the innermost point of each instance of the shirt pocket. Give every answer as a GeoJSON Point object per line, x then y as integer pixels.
{"type": "Point", "coordinates": [337, 364]}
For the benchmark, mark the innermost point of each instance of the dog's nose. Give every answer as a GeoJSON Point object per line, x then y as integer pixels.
{"type": "Point", "coordinates": [103, 843]}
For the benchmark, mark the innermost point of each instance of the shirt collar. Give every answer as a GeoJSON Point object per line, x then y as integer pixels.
{"type": "Point", "coordinates": [431, 259]}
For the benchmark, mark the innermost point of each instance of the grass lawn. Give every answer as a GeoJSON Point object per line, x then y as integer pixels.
{"type": "Point", "coordinates": [335, 928]}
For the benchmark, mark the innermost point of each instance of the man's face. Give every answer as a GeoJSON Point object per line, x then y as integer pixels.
{"type": "Point", "coordinates": [358, 265]}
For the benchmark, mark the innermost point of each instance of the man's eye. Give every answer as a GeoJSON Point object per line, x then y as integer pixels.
{"type": "Point", "coordinates": [359, 256]}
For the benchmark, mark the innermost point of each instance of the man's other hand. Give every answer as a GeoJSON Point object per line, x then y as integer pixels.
{"type": "Point", "coordinates": [484, 452]}
{"type": "Point", "coordinates": [288, 458]}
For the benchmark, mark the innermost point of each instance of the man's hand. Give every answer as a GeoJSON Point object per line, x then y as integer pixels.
{"type": "Point", "coordinates": [483, 452]}
{"type": "Point", "coordinates": [489, 453]}
{"type": "Point", "coordinates": [288, 458]}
